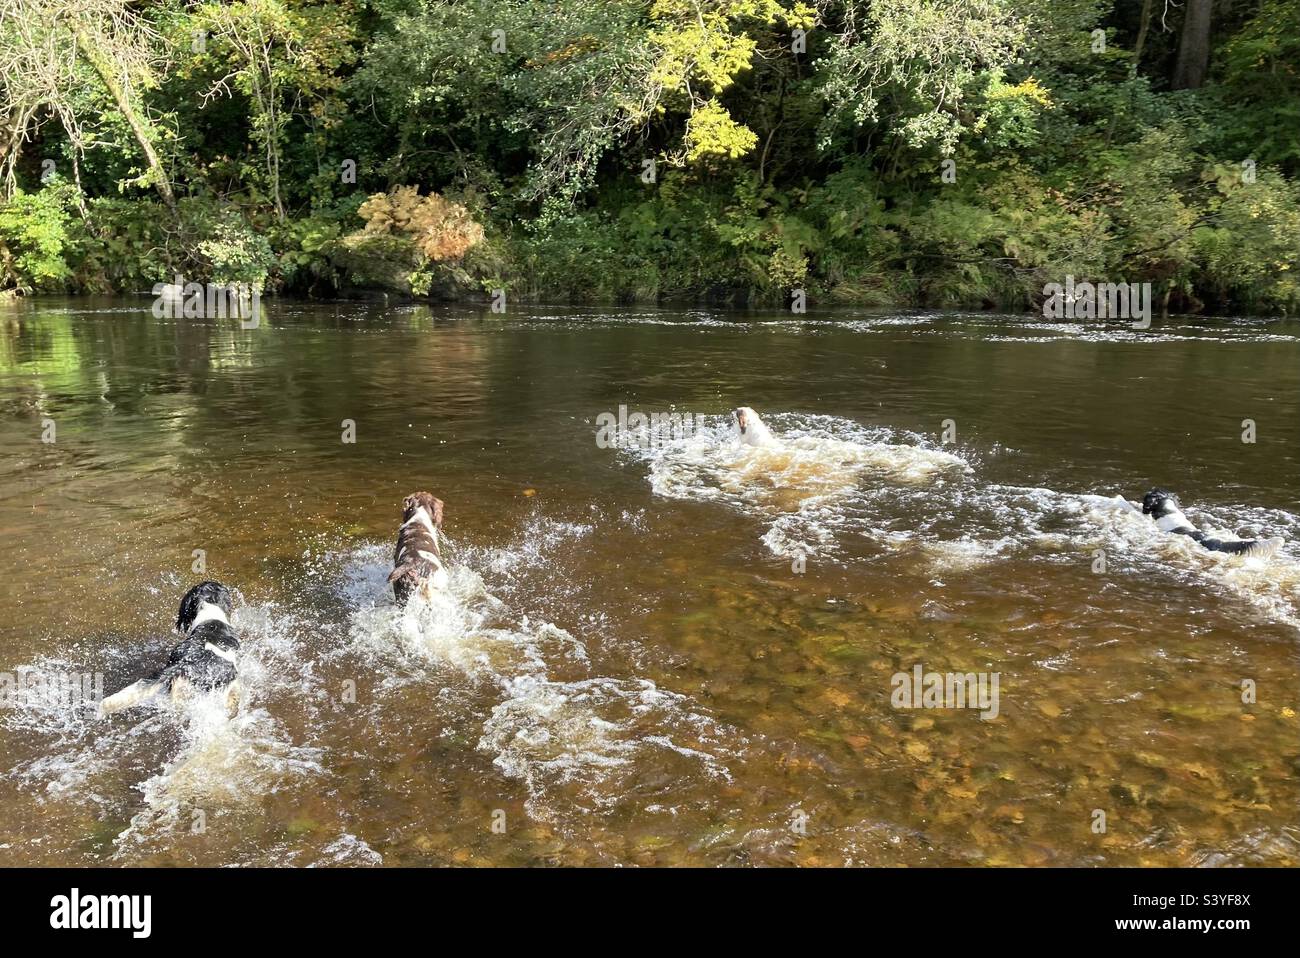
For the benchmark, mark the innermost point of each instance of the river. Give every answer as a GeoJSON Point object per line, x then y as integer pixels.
{"type": "Point", "coordinates": [679, 650]}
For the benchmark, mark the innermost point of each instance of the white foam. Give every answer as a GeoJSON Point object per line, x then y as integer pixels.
{"type": "Point", "coordinates": [1269, 582]}
{"type": "Point", "coordinates": [804, 489]}
{"type": "Point", "coordinates": [570, 741]}
{"type": "Point", "coordinates": [348, 849]}
{"type": "Point", "coordinates": [225, 763]}
{"type": "Point", "coordinates": [832, 482]}
{"type": "Point", "coordinates": [208, 759]}
{"type": "Point", "coordinates": [591, 741]}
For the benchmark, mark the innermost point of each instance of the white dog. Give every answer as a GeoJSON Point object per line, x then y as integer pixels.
{"type": "Point", "coordinates": [753, 431]}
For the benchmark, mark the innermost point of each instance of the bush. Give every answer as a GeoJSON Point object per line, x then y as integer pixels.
{"type": "Point", "coordinates": [237, 253]}
{"type": "Point", "coordinates": [34, 238]}
{"type": "Point", "coordinates": [410, 243]}
{"type": "Point", "coordinates": [438, 228]}
{"type": "Point", "coordinates": [123, 246]}
{"type": "Point", "coordinates": [302, 248]}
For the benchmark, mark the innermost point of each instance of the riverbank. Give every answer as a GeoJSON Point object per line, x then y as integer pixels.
{"type": "Point", "coordinates": [58, 240]}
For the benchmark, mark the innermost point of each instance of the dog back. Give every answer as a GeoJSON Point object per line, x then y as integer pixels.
{"type": "Point", "coordinates": [417, 558]}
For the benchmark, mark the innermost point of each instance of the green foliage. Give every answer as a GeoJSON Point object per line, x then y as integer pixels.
{"type": "Point", "coordinates": [914, 63]}
{"type": "Point", "coordinates": [1261, 85]}
{"type": "Point", "coordinates": [34, 238]}
{"type": "Point", "coordinates": [776, 165]}
{"type": "Point", "coordinates": [124, 245]}
{"type": "Point", "coordinates": [489, 90]}
{"type": "Point", "coordinates": [1247, 249]}
{"type": "Point", "coordinates": [284, 57]}
{"type": "Point", "coordinates": [303, 251]}
{"type": "Point", "coordinates": [237, 253]}
{"type": "Point", "coordinates": [699, 50]}
{"type": "Point", "coordinates": [712, 132]}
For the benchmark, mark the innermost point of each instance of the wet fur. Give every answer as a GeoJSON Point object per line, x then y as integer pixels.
{"type": "Point", "coordinates": [202, 662]}
{"type": "Point", "coordinates": [1162, 506]}
{"type": "Point", "coordinates": [753, 431]}
{"type": "Point", "coordinates": [417, 558]}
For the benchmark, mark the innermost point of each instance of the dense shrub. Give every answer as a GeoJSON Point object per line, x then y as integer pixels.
{"type": "Point", "coordinates": [35, 238]}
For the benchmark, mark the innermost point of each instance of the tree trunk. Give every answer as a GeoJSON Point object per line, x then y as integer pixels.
{"type": "Point", "coordinates": [1143, 26]}
{"type": "Point", "coordinates": [11, 135]}
{"type": "Point", "coordinates": [137, 123]}
{"type": "Point", "coordinates": [1194, 46]}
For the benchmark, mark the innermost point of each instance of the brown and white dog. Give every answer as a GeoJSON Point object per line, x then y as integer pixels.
{"type": "Point", "coordinates": [417, 561]}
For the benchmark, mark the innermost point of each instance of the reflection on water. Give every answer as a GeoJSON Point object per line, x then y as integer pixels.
{"type": "Point", "coordinates": [628, 667]}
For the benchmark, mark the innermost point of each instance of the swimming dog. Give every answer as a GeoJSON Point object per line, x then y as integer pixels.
{"type": "Point", "coordinates": [204, 661]}
{"type": "Point", "coordinates": [417, 560]}
{"type": "Point", "coordinates": [753, 431]}
{"type": "Point", "coordinates": [1162, 506]}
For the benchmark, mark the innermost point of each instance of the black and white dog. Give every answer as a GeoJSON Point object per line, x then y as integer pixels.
{"type": "Point", "coordinates": [204, 661]}
{"type": "Point", "coordinates": [1162, 506]}
{"type": "Point", "coordinates": [417, 558]}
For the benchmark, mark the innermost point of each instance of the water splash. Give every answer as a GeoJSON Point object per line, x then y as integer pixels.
{"type": "Point", "coordinates": [809, 488]}
{"type": "Point", "coordinates": [225, 764]}
{"type": "Point", "coordinates": [573, 739]}
{"type": "Point", "coordinates": [833, 484]}
{"type": "Point", "coordinates": [202, 756]}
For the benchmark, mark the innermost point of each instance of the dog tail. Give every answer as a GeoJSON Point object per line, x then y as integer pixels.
{"type": "Point", "coordinates": [1264, 548]}
{"type": "Point", "coordinates": [1252, 548]}
{"type": "Point", "coordinates": [131, 696]}
{"type": "Point", "coordinates": [404, 579]}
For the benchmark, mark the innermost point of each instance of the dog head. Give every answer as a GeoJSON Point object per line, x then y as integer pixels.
{"type": "Point", "coordinates": [753, 431]}
{"type": "Point", "coordinates": [1159, 502]}
{"type": "Point", "coordinates": [426, 501]}
{"type": "Point", "coordinates": [204, 602]}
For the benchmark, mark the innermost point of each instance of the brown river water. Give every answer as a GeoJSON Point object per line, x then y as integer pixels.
{"type": "Point", "coordinates": [680, 651]}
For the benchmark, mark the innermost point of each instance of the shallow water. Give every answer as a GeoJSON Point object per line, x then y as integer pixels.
{"type": "Point", "coordinates": [628, 667]}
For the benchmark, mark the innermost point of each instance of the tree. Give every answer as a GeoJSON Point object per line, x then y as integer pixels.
{"type": "Point", "coordinates": [913, 64]}
{"type": "Point", "coordinates": [564, 84]}
{"type": "Point", "coordinates": [277, 53]}
{"type": "Point", "coordinates": [1194, 46]}
{"type": "Point", "coordinates": [701, 48]}
{"type": "Point", "coordinates": [42, 46]}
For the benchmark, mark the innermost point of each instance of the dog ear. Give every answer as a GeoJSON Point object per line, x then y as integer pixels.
{"type": "Point", "coordinates": [206, 591]}
{"type": "Point", "coordinates": [437, 513]}
{"type": "Point", "coordinates": [187, 612]}
{"type": "Point", "coordinates": [397, 573]}
{"type": "Point", "coordinates": [409, 503]}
